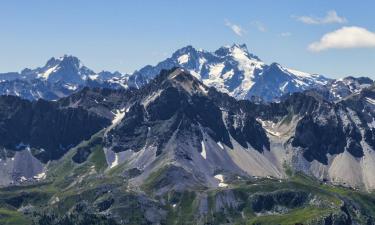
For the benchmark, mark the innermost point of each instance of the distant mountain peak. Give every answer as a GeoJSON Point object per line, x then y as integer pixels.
{"type": "Point", "coordinates": [66, 68]}
{"type": "Point", "coordinates": [65, 59]}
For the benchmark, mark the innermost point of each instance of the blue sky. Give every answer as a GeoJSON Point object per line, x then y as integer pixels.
{"type": "Point", "coordinates": [126, 35]}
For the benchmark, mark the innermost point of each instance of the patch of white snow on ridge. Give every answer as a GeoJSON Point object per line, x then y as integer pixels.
{"type": "Point", "coordinates": [228, 74]}
{"type": "Point", "coordinates": [93, 76]}
{"type": "Point", "coordinates": [202, 61]}
{"type": "Point", "coordinates": [70, 87]}
{"type": "Point", "coordinates": [115, 162]}
{"type": "Point", "coordinates": [203, 153]}
{"type": "Point", "coordinates": [119, 115]}
{"type": "Point", "coordinates": [268, 126]}
{"type": "Point", "coordinates": [40, 176]}
{"type": "Point", "coordinates": [220, 145]}
{"type": "Point", "coordinates": [203, 89]}
{"type": "Point", "coordinates": [152, 98]}
{"type": "Point", "coordinates": [48, 72]}
{"type": "Point", "coordinates": [298, 73]}
{"type": "Point", "coordinates": [220, 177]}
{"type": "Point", "coordinates": [370, 100]}
{"type": "Point", "coordinates": [183, 59]}
{"type": "Point", "coordinates": [305, 76]}
{"type": "Point", "coordinates": [282, 88]}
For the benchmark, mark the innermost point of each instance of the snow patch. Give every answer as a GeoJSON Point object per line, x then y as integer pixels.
{"type": "Point", "coordinates": [93, 76]}
{"type": "Point", "coordinates": [151, 98]}
{"type": "Point", "coordinates": [71, 87]}
{"type": "Point", "coordinates": [48, 72]}
{"type": "Point", "coordinates": [298, 73]}
{"type": "Point", "coordinates": [115, 162]}
{"type": "Point", "coordinates": [269, 126]}
{"type": "Point", "coordinates": [119, 115]}
{"type": "Point", "coordinates": [183, 59]}
{"type": "Point", "coordinates": [40, 176]}
{"type": "Point", "coordinates": [215, 70]}
{"type": "Point", "coordinates": [203, 153]}
{"type": "Point", "coordinates": [282, 88]}
{"type": "Point", "coordinates": [228, 74]}
{"type": "Point", "coordinates": [220, 177]}
{"type": "Point", "coordinates": [370, 100]}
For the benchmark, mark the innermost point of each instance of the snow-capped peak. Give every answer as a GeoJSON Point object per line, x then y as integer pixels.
{"type": "Point", "coordinates": [68, 69]}
{"type": "Point", "coordinates": [53, 65]}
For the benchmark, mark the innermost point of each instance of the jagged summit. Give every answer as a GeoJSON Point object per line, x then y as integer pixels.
{"type": "Point", "coordinates": [239, 49]}
{"type": "Point", "coordinates": [68, 59]}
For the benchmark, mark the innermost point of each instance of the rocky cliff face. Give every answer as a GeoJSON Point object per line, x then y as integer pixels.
{"type": "Point", "coordinates": [43, 125]}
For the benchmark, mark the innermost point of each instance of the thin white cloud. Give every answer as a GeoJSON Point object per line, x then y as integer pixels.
{"type": "Point", "coordinates": [331, 17]}
{"type": "Point", "coordinates": [237, 29]}
{"type": "Point", "coordinates": [286, 34]}
{"type": "Point", "coordinates": [343, 38]}
{"type": "Point", "coordinates": [260, 26]}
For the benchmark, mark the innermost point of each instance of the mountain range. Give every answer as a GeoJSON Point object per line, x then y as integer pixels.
{"type": "Point", "coordinates": [233, 70]}
{"type": "Point", "coordinates": [230, 69]}
{"type": "Point", "coordinates": [177, 151]}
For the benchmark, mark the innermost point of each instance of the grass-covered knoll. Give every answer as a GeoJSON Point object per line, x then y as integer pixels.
{"type": "Point", "coordinates": [234, 205]}
{"type": "Point", "coordinates": [297, 216]}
